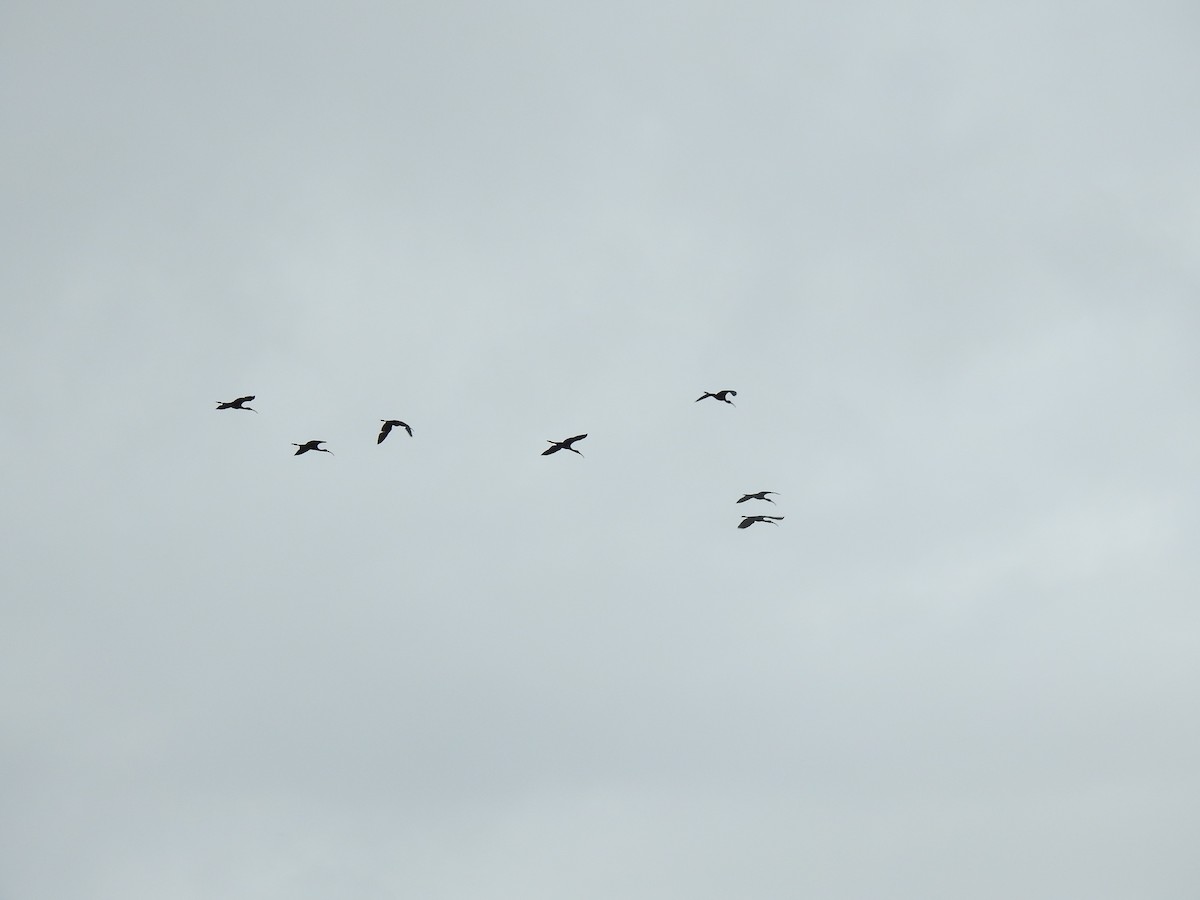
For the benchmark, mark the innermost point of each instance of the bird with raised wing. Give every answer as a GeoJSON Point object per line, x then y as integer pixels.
{"type": "Point", "coordinates": [761, 495]}
{"type": "Point", "coordinates": [239, 403]}
{"type": "Point", "coordinates": [747, 521]}
{"type": "Point", "coordinates": [719, 395]}
{"type": "Point", "coordinates": [388, 425]}
{"type": "Point", "coordinates": [563, 445]}
{"type": "Point", "coordinates": [311, 445]}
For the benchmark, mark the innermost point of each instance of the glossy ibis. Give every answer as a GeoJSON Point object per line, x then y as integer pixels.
{"type": "Point", "coordinates": [563, 445]}
{"type": "Point", "coordinates": [761, 495]}
{"type": "Point", "coordinates": [747, 521]}
{"type": "Point", "coordinates": [388, 425]}
{"type": "Point", "coordinates": [311, 445]}
{"type": "Point", "coordinates": [719, 395]}
{"type": "Point", "coordinates": [239, 403]}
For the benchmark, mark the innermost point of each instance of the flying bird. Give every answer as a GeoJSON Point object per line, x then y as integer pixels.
{"type": "Point", "coordinates": [388, 425]}
{"type": "Point", "coordinates": [747, 521]}
{"type": "Point", "coordinates": [239, 403]}
{"type": "Point", "coordinates": [563, 445]}
{"type": "Point", "coordinates": [311, 445]}
{"type": "Point", "coordinates": [761, 495]}
{"type": "Point", "coordinates": [719, 395]}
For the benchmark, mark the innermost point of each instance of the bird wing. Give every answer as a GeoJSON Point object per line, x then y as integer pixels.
{"type": "Point", "coordinates": [550, 450]}
{"type": "Point", "coordinates": [405, 426]}
{"type": "Point", "coordinates": [569, 441]}
{"type": "Point", "coordinates": [245, 399]}
{"type": "Point", "coordinates": [702, 396]}
{"type": "Point", "coordinates": [746, 497]}
{"type": "Point", "coordinates": [383, 432]}
{"type": "Point", "coordinates": [746, 522]}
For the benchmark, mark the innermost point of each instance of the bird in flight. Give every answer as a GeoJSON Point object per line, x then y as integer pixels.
{"type": "Point", "coordinates": [761, 495]}
{"type": "Point", "coordinates": [311, 445]}
{"type": "Point", "coordinates": [239, 403]}
{"type": "Point", "coordinates": [388, 425]}
{"type": "Point", "coordinates": [747, 521]}
{"type": "Point", "coordinates": [719, 395]}
{"type": "Point", "coordinates": [563, 445]}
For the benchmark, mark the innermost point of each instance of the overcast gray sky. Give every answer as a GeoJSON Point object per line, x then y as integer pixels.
{"type": "Point", "coordinates": [945, 253]}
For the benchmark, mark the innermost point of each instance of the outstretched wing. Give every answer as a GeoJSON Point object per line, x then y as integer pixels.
{"type": "Point", "coordinates": [746, 522]}
{"type": "Point", "coordinates": [405, 426]}
{"type": "Point", "coordinates": [383, 432]}
{"type": "Point", "coordinates": [702, 396]}
{"type": "Point", "coordinates": [746, 497]}
{"type": "Point", "coordinates": [244, 399]}
{"type": "Point", "coordinates": [569, 441]}
{"type": "Point", "coordinates": [552, 449]}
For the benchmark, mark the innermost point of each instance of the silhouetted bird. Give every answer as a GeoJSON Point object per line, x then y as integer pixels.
{"type": "Point", "coordinates": [719, 395]}
{"type": "Point", "coordinates": [761, 495]}
{"type": "Point", "coordinates": [564, 445]}
{"type": "Point", "coordinates": [311, 445]}
{"type": "Point", "coordinates": [239, 403]}
{"type": "Point", "coordinates": [747, 521]}
{"type": "Point", "coordinates": [388, 425]}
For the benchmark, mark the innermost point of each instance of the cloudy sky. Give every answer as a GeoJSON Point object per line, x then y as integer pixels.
{"type": "Point", "coordinates": [945, 253]}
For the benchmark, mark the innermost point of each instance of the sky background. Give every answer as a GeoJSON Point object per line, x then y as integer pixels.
{"type": "Point", "coordinates": [945, 253]}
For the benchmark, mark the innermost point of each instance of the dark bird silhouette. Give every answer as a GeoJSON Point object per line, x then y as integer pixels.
{"type": "Point", "coordinates": [311, 445]}
{"type": "Point", "coordinates": [239, 403]}
{"type": "Point", "coordinates": [719, 395]}
{"type": "Point", "coordinates": [563, 445]}
{"type": "Point", "coordinates": [388, 425]}
{"type": "Point", "coordinates": [761, 495]}
{"type": "Point", "coordinates": [747, 521]}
